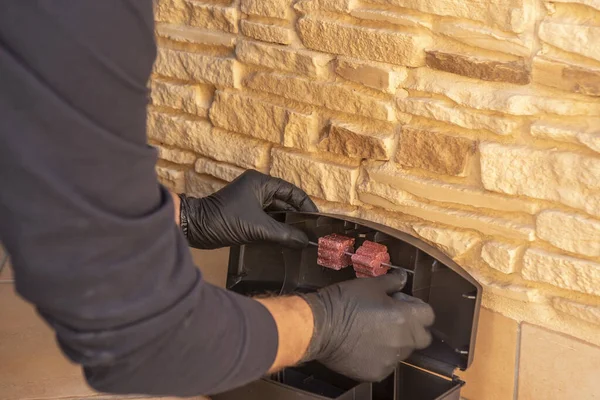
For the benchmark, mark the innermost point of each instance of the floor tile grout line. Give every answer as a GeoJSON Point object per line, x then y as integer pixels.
{"type": "Point", "coordinates": [517, 363]}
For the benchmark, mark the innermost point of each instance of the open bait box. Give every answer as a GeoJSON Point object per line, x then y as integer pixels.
{"type": "Point", "coordinates": [428, 374]}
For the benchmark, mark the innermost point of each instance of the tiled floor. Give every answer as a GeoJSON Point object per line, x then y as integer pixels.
{"type": "Point", "coordinates": [554, 366]}
{"type": "Point", "coordinates": [6, 272]}
{"type": "Point", "coordinates": [31, 365]}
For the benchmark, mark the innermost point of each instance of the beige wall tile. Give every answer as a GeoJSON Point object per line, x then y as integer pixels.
{"type": "Point", "coordinates": [491, 376]}
{"type": "Point", "coordinates": [213, 264]}
{"type": "Point", "coordinates": [557, 367]}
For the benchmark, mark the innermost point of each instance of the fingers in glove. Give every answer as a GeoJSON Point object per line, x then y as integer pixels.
{"type": "Point", "coordinates": [291, 194]}
{"type": "Point", "coordinates": [421, 336]}
{"type": "Point", "coordinates": [284, 234]}
{"type": "Point", "coordinates": [404, 353]}
{"type": "Point", "coordinates": [420, 310]}
{"type": "Point", "coordinates": [393, 282]}
{"type": "Point", "coordinates": [280, 205]}
{"type": "Point", "coordinates": [423, 313]}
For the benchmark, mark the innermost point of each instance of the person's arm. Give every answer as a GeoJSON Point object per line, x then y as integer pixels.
{"type": "Point", "coordinates": [292, 315]}
{"type": "Point", "coordinates": [295, 324]}
{"type": "Point", "coordinates": [176, 207]}
{"type": "Point", "coordinates": [89, 230]}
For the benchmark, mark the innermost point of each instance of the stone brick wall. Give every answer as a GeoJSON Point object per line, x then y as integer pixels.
{"type": "Point", "coordinates": [474, 125]}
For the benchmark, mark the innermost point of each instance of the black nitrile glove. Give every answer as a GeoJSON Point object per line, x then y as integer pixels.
{"type": "Point", "coordinates": [364, 327]}
{"type": "Point", "coordinates": [236, 214]}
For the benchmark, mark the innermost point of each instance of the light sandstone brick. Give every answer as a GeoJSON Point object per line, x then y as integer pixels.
{"type": "Point", "coordinates": [363, 42]}
{"type": "Point", "coordinates": [474, 34]}
{"type": "Point", "coordinates": [266, 8]}
{"type": "Point", "coordinates": [501, 256]}
{"type": "Point", "coordinates": [397, 177]}
{"type": "Point", "coordinates": [434, 151]}
{"type": "Point", "coordinates": [590, 3]}
{"type": "Point", "coordinates": [201, 185]}
{"type": "Point", "coordinates": [175, 155]}
{"type": "Point", "coordinates": [562, 271]}
{"type": "Point", "coordinates": [267, 32]}
{"type": "Point", "coordinates": [392, 199]}
{"type": "Point", "coordinates": [202, 138]}
{"type": "Point", "coordinates": [171, 11]}
{"type": "Point", "coordinates": [329, 178]}
{"type": "Point", "coordinates": [479, 67]}
{"type": "Point", "coordinates": [399, 221]}
{"type": "Point", "coordinates": [325, 94]}
{"type": "Point", "coordinates": [306, 6]}
{"type": "Point", "coordinates": [407, 17]}
{"type": "Point", "coordinates": [573, 78]}
{"type": "Point", "coordinates": [314, 65]}
{"type": "Point", "coordinates": [513, 291]}
{"type": "Point", "coordinates": [375, 75]}
{"type": "Point", "coordinates": [177, 130]}
{"type": "Point", "coordinates": [189, 98]}
{"type": "Point", "coordinates": [301, 131]}
{"type": "Point", "coordinates": [222, 17]}
{"type": "Point", "coordinates": [235, 149]}
{"type": "Point", "coordinates": [569, 178]}
{"type": "Point", "coordinates": [330, 207]}
{"type": "Point", "coordinates": [192, 35]}
{"type": "Point", "coordinates": [171, 176]}
{"type": "Point", "coordinates": [507, 15]}
{"type": "Point", "coordinates": [495, 96]}
{"type": "Point", "coordinates": [260, 119]}
{"type": "Point", "coordinates": [572, 36]}
{"type": "Point", "coordinates": [451, 241]}
{"type": "Point", "coordinates": [212, 16]}
{"type": "Point", "coordinates": [585, 312]}
{"type": "Point", "coordinates": [197, 67]}
{"type": "Point", "coordinates": [586, 133]}
{"type": "Point", "coordinates": [590, 139]}
{"type": "Point", "coordinates": [441, 110]}
{"type": "Point", "coordinates": [358, 142]}
{"type": "Point", "coordinates": [222, 171]}
{"type": "Point", "coordinates": [570, 232]}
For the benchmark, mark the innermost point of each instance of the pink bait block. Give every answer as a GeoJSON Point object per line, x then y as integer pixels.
{"type": "Point", "coordinates": [332, 251]}
{"type": "Point", "coordinates": [368, 259]}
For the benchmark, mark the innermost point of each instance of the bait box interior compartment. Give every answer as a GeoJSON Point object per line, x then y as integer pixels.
{"type": "Point", "coordinates": [428, 374]}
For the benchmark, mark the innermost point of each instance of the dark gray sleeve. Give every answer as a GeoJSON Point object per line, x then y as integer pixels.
{"type": "Point", "coordinates": [90, 231]}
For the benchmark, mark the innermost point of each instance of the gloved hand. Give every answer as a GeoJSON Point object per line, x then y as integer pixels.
{"type": "Point", "coordinates": [364, 327]}
{"type": "Point", "coordinates": [236, 214]}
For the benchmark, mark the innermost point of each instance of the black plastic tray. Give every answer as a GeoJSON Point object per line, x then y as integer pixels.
{"type": "Point", "coordinates": [428, 374]}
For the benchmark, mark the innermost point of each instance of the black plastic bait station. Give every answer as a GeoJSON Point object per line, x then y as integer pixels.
{"type": "Point", "coordinates": [428, 374]}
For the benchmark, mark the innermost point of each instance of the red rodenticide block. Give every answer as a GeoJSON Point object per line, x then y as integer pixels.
{"type": "Point", "coordinates": [369, 247]}
{"type": "Point", "coordinates": [332, 251]}
{"type": "Point", "coordinates": [368, 259]}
